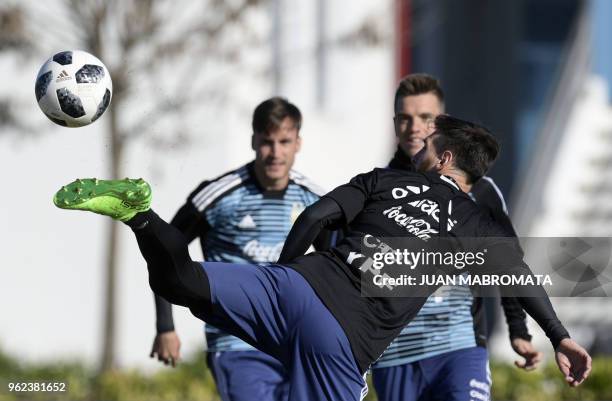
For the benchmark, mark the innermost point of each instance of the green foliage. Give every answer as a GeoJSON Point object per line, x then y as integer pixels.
{"type": "Point", "coordinates": [546, 383]}
{"type": "Point", "coordinates": [191, 380]}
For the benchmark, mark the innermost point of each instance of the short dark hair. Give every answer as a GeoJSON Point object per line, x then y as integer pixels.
{"type": "Point", "coordinates": [269, 115]}
{"type": "Point", "coordinates": [474, 147]}
{"type": "Point", "coordinates": [418, 84]}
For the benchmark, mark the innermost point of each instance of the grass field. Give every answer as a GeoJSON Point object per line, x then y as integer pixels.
{"type": "Point", "coordinates": [191, 380]}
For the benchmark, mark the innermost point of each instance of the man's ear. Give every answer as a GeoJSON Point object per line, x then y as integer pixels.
{"type": "Point", "coordinates": [253, 142]}
{"type": "Point", "coordinates": [298, 144]}
{"type": "Point", "coordinates": [446, 158]}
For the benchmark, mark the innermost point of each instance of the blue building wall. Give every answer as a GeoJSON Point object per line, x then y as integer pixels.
{"type": "Point", "coordinates": [498, 61]}
{"type": "Point", "coordinates": [601, 17]}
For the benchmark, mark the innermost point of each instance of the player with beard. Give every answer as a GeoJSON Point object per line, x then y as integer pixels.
{"type": "Point", "coordinates": [316, 313]}
{"type": "Point", "coordinates": [442, 353]}
{"type": "Point", "coordinates": [244, 216]}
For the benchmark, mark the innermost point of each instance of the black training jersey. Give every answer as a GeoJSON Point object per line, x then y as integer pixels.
{"type": "Point", "coordinates": [453, 318]}
{"type": "Point", "coordinates": [394, 203]}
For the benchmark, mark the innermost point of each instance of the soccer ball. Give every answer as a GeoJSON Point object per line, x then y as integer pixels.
{"type": "Point", "coordinates": [73, 88]}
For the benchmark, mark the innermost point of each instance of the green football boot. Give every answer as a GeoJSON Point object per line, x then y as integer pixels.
{"type": "Point", "coordinates": [119, 199]}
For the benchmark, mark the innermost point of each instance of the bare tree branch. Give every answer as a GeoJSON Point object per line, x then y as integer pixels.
{"type": "Point", "coordinates": [207, 31]}
{"type": "Point", "coordinates": [167, 108]}
{"type": "Point", "coordinates": [9, 117]}
{"type": "Point", "coordinates": [13, 31]}
{"type": "Point", "coordinates": [136, 39]}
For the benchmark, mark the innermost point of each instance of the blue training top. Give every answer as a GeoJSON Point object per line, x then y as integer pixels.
{"type": "Point", "coordinates": [246, 224]}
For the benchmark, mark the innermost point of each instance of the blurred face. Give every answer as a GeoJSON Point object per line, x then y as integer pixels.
{"type": "Point", "coordinates": [275, 151]}
{"type": "Point", "coordinates": [414, 116]}
{"type": "Point", "coordinates": [427, 159]}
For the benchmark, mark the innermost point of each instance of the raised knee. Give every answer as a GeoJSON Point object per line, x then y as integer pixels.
{"type": "Point", "coordinates": [166, 290]}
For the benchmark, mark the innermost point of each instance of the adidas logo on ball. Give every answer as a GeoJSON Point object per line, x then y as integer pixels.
{"type": "Point", "coordinates": [63, 76]}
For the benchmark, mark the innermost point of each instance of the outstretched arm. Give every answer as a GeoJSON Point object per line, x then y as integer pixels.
{"type": "Point", "coordinates": [323, 213]}
{"type": "Point", "coordinates": [326, 239]}
{"type": "Point", "coordinates": [339, 206]}
{"type": "Point", "coordinates": [573, 361]}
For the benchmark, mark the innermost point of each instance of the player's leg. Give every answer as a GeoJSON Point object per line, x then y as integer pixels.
{"type": "Point", "coordinates": [461, 375]}
{"type": "Point", "coordinates": [403, 382]}
{"type": "Point", "coordinates": [276, 307]}
{"type": "Point", "coordinates": [248, 375]}
{"type": "Point", "coordinates": [220, 375]}
{"type": "Point", "coordinates": [172, 273]}
{"type": "Point", "coordinates": [272, 307]}
{"type": "Point", "coordinates": [298, 329]}
{"type": "Point", "coordinates": [319, 358]}
{"type": "Point", "coordinates": [239, 299]}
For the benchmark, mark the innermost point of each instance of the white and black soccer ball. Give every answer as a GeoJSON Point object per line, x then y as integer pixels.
{"type": "Point", "coordinates": [73, 88]}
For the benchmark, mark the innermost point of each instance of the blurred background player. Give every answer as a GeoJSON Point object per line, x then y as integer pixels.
{"type": "Point", "coordinates": [441, 353]}
{"type": "Point", "coordinates": [244, 216]}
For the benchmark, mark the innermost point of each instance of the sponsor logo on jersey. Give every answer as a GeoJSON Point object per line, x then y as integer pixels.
{"type": "Point", "coordinates": [258, 252]}
{"type": "Point", "coordinates": [296, 209]}
{"type": "Point", "coordinates": [417, 227]}
{"type": "Point", "coordinates": [399, 192]}
{"type": "Point", "coordinates": [432, 209]}
{"type": "Point", "coordinates": [427, 206]}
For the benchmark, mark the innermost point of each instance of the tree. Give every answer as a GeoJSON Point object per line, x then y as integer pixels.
{"type": "Point", "coordinates": [150, 48]}
{"type": "Point", "coordinates": [138, 40]}
{"type": "Point", "coordinates": [13, 38]}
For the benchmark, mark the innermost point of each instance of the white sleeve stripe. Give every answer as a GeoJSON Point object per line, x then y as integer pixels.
{"type": "Point", "coordinates": [498, 191]}
{"type": "Point", "coordinates": [300, 179]}
{"type": "Point", "coordinates": [206, 201]}
{"type": "Point", "coordinates": [212, 187]}
{"type": "Point", "coordinates": [211, 192]}
{"type": "Point", "coordinates": [295, 174]}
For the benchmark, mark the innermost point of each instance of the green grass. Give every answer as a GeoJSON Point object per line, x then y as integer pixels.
{"type": "Point", "coordinates": [191, 380]}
